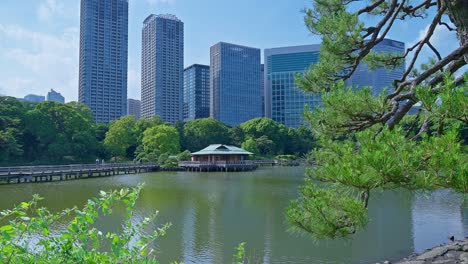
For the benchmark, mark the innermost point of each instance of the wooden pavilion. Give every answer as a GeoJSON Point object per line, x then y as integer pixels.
{"type": "Point", "coordinates": [220, 152]}
{"type": "Point", "coordinates": [219, 157]}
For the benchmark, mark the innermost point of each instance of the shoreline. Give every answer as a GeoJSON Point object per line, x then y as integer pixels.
{"type": "Point", "coordinates": [453, 252]}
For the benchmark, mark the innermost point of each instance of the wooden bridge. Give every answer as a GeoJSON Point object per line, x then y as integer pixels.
{"type": "Point", "coordinates": [68, 172]}
{"type": "Point", "coordinates": [266, 162]}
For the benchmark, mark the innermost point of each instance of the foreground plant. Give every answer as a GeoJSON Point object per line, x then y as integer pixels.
{"type": "Point", "coordinates": [238, 257]}
{"type": "Point", "coordinates": [27, 238]}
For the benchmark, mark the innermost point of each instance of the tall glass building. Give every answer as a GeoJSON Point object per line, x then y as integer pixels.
{"type": "Point", "coordinates": [103, 58]}
{"type": "Point", "coordinates": [162, 67]}
{"type": "Point", "coordinates": [34, 98]}
{"type": "Point", "coordinates": [196, 92]}
{"type": "Point", "coordinates": [55, 97]}
{"type": "Point", "coordinates": [380, 78]}
{"type": "Point", "coordinates": [284, 102]}
{"type": "Point", "coordinates": [235, 83]}
{"type": "Point", "coordinates": [262, 74]}
{"type": "Point", "coordinates": [134, 108]}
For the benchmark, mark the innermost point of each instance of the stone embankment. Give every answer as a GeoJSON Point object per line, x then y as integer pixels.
{"type": "Point", "coordinates": [455, 252]}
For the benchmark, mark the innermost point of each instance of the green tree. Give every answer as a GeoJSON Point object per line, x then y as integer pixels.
{"type": "Point", "coordinates": [101, 151]}
{"type": "Point", "coordinates": [266, 127]}
{"type": "Point", "coordinates": [38, 134]}
{"type": "Point", "coordinates": [142, 125]}
{"type": "Point", "coordinates": [184, 156]}
{"type": "Point", "coordinates": [374, 151]}
{"type": "Point", "coordinates": [122, 136]}
{"type": "Point", "coordinates": [59, 132]}
{"type": "Point", "coordinates": [300, 141]}
{"type": "Point", "coordinates": [9, 145]}
{"type": "Point", "coordinates": [251, 145]}
{"type": "Point", "coordinates": [83, 110]}
{"type": "Point", "coordinates": [265, 145]}
{"type": "Point", "coordinates": [237, 135]}
{"type": "Point", "coordinates": [160, 140]}
{"type": "Point", "coordinates": [179, 125]}
{"type": "Point", "coordinates": [101, 130]}
{"type": "Point", "coordinates": [200, 133]}
{"type": "Point", "coordinates": [168, 162]}
{"type": "Point", "coordinates": [11, 128]}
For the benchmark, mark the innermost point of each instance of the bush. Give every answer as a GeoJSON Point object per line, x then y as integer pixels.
{"type": "Point", "coordinates": [286, 157]}
{"type": "Point", "coordinates": [170, 162]}
{"type": "Point", "coordinates": [184, 156]}
{"type": "Point", "coordinates": [27, 238]}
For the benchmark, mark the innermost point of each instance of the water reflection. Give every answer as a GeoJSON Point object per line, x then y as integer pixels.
{"type": "Point", "coordinates": [436, 217]}
{"type": "Point", "coordinates": [212, 212]}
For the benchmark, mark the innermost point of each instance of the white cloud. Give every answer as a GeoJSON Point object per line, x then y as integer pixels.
{"type": "Point", "coordinates": [17, 87]}
{"type": "Point", "coordinates": [45, 50]}
{"type": "Point", "coordinates": [49, 61]}
{"type": "Point", "coordinates": [49, 8]}
{"type": "Point", "coordinates": [442, 39]}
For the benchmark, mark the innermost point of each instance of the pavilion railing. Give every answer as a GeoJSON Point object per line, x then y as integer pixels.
{"type": "Point", "coordinates": [216, 163]}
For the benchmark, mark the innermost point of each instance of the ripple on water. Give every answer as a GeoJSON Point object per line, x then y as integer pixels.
{"type": "Point", "coordinates": [211, 213]}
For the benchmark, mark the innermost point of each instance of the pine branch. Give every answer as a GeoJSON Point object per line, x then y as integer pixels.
{"type": "Point", "coordinates": [426, 38]}
{"type": "Point", "coordinates": [436, 52]}
{"type": "Point", "coordinates": [447, 26]}
{"type": "Point", "coordinates": [373, 41]}
{"type": "Point", "coordinates": [371, 7]}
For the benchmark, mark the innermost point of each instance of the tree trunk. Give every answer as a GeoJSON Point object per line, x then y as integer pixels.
{"type": "Point", "coordinates": [458, 13]}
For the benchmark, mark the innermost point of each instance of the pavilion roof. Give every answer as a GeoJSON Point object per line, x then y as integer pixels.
{"type": "Point", "coordinates": [220, 149]}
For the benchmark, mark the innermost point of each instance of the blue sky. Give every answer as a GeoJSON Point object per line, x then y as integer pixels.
{"type": "Point", "coordinates": [39, 39]}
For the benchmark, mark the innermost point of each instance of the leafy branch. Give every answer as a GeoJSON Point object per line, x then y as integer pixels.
{"type": "Point", "coordinates": [80, 241]}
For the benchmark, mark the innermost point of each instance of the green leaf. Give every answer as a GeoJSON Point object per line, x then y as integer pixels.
{"type": "Point", "coordinates": [45, 231]}
{"type": "Point", "coordinates": [6, 228]}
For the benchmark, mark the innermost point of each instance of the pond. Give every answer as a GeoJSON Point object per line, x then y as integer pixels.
{"type": "Point", "coordinates": [211, 213]}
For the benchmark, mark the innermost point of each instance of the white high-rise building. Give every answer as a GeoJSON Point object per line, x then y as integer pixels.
{"type": "Point", "coordinates": [162, 67]}
{"type": "Point", "coordinates": [103, 58]}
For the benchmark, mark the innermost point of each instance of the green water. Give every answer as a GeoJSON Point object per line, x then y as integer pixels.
{"type": "Point", "coordinates": [212, 212]}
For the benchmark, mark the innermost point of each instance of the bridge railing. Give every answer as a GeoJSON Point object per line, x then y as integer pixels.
{"type": "Point", "coordinates": [74, 167]}
{"type": "Point", "coordinates": [259, 162]}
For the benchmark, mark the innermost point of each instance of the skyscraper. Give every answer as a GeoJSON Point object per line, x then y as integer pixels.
{"type": "Point", "coordinates": [196, 92]}
{"type": "Point", "coordinates": [284, 102]}
{"type": "Point", "coordinates": [379, 78]}
{"type": "Point", "coordinates": [34, 98]}
{"type": "Point", "coordinates": [262, 74]}
{"type": "Point", "coordinates": [103, 58]}
{"type": "Point", "coordinates": [162, 66]}
{"type": "Point", "coordinates": [134, 108]}
{"type": "Point", "coordinates": [235, 83]}
{"type": "Point", "coordinates": [55, 97]}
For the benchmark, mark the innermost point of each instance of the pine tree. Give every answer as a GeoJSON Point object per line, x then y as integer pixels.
{"type": "Point", "coordinates": [371, 143]}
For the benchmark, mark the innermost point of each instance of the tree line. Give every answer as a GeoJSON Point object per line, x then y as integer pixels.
{"type": "Point", "coordinates": [56, 133]}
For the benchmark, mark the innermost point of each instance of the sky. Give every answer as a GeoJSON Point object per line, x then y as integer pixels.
{"type": "Point", "coordinates": [39, 39]}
